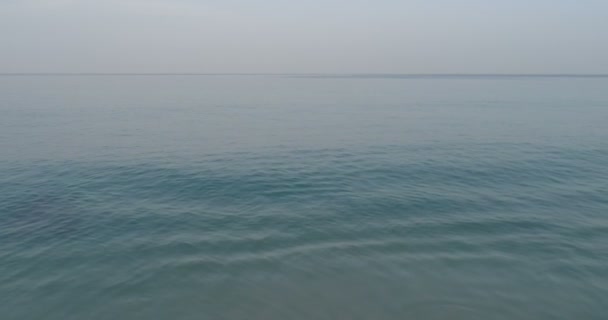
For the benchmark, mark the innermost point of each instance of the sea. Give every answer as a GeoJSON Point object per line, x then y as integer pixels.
{"type": "Point", "coordinates": [303, 197]}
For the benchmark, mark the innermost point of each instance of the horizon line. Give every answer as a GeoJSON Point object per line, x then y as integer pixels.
{"type": "Point", "coordinates": [341, 75]}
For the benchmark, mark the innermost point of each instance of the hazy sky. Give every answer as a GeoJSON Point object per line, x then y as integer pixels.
{"type": "Point", "coordinates": [311, 36]}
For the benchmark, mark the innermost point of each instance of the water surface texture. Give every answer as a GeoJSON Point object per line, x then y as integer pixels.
{"type": "Point", "coordinates": [303, 197]}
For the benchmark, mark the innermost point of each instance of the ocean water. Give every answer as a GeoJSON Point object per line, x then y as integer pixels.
{"type": "Point", "coordinates": [303, 197]}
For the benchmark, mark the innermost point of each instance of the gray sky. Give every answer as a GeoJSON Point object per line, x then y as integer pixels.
{"type": "Point", "coordinates": [312, 36]}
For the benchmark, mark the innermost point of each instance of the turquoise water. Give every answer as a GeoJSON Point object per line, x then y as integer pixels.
{"type": "Point", "coordinates": [303, 197]}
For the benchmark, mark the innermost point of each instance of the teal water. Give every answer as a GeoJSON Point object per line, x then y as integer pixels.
{"type": "Point", "coordinates": [303, 197]}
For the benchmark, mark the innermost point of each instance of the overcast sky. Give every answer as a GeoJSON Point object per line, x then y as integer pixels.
{"type": "Point", "coordinates": [309, 36]}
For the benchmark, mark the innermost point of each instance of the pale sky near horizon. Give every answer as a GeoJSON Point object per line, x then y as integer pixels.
{"type": "Point", "coordinates": [313, 36]}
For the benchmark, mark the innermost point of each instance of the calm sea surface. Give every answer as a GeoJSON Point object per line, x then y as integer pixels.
{"type": "Point", "coordinates": [303, 197]}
